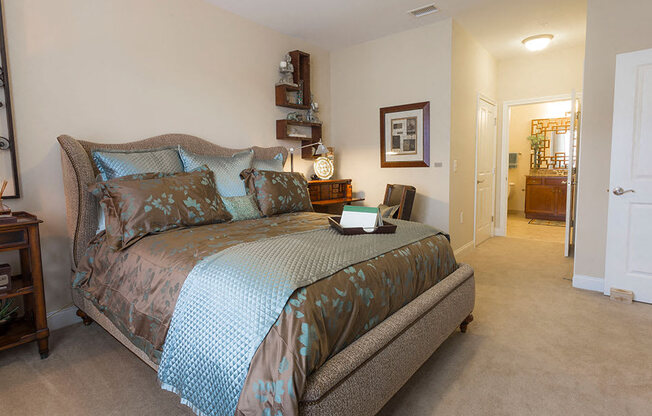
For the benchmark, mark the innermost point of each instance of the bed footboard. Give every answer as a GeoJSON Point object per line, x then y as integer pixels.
{"type": "Point", "coordinates": [365, 375]}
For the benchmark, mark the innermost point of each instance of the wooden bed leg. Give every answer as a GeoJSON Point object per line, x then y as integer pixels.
{"type": "Point", "coordinates": [465, 323]}
{"type": "Point", "coordinates": [87, 319]}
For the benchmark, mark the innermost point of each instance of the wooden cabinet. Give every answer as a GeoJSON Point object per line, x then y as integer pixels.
{"type": "Point", "coordinates": [545, 197]}
{"type": "Point", "coordinates": [329, 196]}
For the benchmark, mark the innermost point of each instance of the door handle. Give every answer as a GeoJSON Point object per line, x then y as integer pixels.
{"type": "Point", "coordinates": [620, 191]}
{"type": "Point", "coordinates": [564, 182]}
{"type": "Point", "coordinates": [482, 181]}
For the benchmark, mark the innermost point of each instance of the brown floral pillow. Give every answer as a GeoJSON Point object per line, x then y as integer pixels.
{"type": "Point", "coordinates": [278, 192]}
{"type": "Point", "coordinates": [137, 205]}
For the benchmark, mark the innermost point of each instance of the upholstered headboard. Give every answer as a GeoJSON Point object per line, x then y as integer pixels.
{"type": "Point", "coordinates": [79, 171]}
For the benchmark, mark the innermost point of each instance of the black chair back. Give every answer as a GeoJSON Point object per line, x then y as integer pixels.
{"type": "Point", "coordinates": [403, 196]}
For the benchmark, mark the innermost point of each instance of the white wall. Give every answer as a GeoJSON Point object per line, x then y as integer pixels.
{"type": "Point", "coordinates": [540, 74]}
{"type": "Point", "coordinates": [404, 68]}
{"type": "Point", "coordinates": [473, 73]}
{"type": "Point", "coordinates": [120, 70]}
{"type": "Point", "coordinates": [610, 30]}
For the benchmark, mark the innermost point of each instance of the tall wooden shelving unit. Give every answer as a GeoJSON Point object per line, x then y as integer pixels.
{"type": "Point", "coordinates": [301, 77]}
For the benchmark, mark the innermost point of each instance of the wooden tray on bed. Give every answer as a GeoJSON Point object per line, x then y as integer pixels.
{"type": "Point", "coordinates": [386, 228]}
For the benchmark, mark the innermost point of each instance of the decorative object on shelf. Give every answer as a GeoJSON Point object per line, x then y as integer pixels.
{"type": "Point", "coordinates": [8, 143]}
{"type": "Point", "coordinates": [6, 314]}
{"type": "Point", "coordinates": [299, 94]}
{"type": "Point", "coordinates": [287, 70]}
{"type": "Point", "coordinates": [5, 278]}
{"type": "Point", "coordinates": [320, 150]}
{"type": "Point", "coordinates": [295, 116]}
{"type": "Point", "coordinates": [324, 167]}
{"type": "Point", "coordinates": [405, 135]}
{"type": "Point", "coordinates": [311, 116]}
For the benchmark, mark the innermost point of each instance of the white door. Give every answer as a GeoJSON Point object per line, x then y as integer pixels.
{"type": "Point", "coordinates": [629, 232]}
{"type": "Point", "coordinates": [572, 149]}
{"type": "Point", "coordinates": [485, 170]}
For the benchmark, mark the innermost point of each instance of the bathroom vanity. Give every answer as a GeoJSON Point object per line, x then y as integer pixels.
{"type": "Point", "coordinates": [545, 197]}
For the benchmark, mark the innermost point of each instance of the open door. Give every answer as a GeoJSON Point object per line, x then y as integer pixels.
{"type": "Point", "coordinates": [628, 262]}
{"type": "Point", "coordinates": [573, 148]}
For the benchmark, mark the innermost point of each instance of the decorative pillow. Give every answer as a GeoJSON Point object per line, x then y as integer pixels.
{"type": "Point", "coordinates": [275, 164]}
{"type": "Point", "coordinates": [115, 163]}
{"type": "Point", "coordinates": [278, 192]}
{"type": "Point", "coordinates": [226, 169]}
{"type": "Point", "coordinates": [142, 204]}
{"type": "Point", "coordinates": [388, 211]}
{"type": "Point", "coordinates": [242, 207]}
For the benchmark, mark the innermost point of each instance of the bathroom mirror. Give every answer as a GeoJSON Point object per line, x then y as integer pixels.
{"type": "Point", "coordinates": [8, 167]}
{"type": "Point", "coordinates": [552, 150]}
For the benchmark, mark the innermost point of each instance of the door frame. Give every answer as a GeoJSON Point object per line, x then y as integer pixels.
{"type": "Point", "coordinates": [482, 97]}
{"type": "Point", "coordinates": [501, 191]}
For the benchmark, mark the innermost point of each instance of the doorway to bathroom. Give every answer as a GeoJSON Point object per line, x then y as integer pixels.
{"type": "Point", "coordinates": [540, 142]}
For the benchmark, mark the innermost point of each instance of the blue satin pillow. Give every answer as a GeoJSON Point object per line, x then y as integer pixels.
{"type": "Point", "coordinates": [275, 164]}
{"type": "Point", "coordinates": [116, 163]}
{"type": "Point", "coordinates": [226, 169]}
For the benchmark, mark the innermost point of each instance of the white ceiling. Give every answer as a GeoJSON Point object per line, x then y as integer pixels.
{"type": "Point", "coordinates": [499, 25]}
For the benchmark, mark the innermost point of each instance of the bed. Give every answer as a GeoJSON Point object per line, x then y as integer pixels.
{"type": "Point", "coordinates": [364, 369]}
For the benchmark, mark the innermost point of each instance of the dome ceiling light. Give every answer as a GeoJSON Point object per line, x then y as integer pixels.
{"type": "Point", "coordinates": [538, 42]}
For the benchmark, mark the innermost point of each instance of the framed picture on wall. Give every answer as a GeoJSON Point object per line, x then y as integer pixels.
{"type": "Point", "coordinates": [405, 136]}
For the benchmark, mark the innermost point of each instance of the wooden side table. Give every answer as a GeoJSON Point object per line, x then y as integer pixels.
{"type": "Point", "coordinates": [329, 196]}
{"type": "Point", "coordinates": [23, 236]}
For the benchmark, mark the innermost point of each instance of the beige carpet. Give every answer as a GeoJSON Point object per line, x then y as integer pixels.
{"type": "Point", "coordinates": [537, 347]}
{"type": "Point", "coordinates": [519, 227]}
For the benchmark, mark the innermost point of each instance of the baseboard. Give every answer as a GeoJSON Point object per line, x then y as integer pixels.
{"type": "Point", "coordinates": [63, 318]}
{"type": "Point", "coordinates": [463, 248]}
{"type": "Point", "coordinates": [595, 284]}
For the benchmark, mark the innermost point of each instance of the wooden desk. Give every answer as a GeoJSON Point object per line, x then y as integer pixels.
{"type": "Point", "coordinates": [329, 196]}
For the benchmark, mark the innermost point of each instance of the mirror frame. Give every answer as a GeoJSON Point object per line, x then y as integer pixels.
{"type": "Point", "coordinates": [4, 73]}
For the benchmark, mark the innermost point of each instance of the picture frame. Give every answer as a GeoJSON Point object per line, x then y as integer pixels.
{"type": "Point", "coordinates": [405, 136]}
{"type": "Point", "coordinates": [8, 163]}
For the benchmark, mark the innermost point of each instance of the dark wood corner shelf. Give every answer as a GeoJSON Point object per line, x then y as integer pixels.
{"type": "Point", "coordinates": [315, 136]}
{"type": "Point", "coordinates": [301, 75]}
{"type": "Point", "coordinates": [282, 97]}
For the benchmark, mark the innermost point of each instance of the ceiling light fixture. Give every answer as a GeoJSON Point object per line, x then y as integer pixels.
{"type": "Point", "coordinates": [538, 42]}
{"type": "Point", "coordinates": [423, 10]}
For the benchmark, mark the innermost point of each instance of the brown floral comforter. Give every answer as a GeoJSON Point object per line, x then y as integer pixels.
{"type": "Point", "coordinates": [137, 289]}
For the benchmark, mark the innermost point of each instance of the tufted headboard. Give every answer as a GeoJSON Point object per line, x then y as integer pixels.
{"type": "Point", "coordinates": [79, 172]}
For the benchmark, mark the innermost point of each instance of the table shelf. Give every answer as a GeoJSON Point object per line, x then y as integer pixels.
{"type": "Point", "coordinates": [19, 287]}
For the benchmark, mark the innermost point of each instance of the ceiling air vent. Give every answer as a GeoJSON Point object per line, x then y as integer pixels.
{"type": "Point", "coordinates": [422, 11]}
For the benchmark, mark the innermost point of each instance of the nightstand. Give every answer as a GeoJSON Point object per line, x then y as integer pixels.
{"type": "Point", "coordinates": [330, 195]}
{"type": "Point", "coordinates": [23, 236]}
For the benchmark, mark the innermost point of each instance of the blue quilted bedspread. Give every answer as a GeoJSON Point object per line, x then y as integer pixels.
{"type": "Point", "coordinates": [231, 299]}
